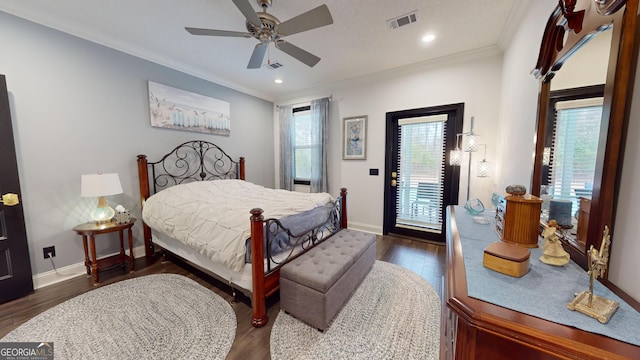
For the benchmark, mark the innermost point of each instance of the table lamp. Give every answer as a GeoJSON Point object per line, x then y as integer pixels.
{"type": "Point", "coordinates": [101, 185]}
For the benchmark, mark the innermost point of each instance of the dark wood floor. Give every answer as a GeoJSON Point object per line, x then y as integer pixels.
{"type": "Point", "coordinates": [426, 259]}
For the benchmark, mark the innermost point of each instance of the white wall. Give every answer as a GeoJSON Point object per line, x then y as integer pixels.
{"type": "Point", "coordinates": [78, 107]}
{"type": "Point", "coordinates": [518, 106]}
{"type": "Point", "coordinates": [473, 80]}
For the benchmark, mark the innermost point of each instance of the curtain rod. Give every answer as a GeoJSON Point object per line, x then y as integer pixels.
{"type": "Point", "coordinates": [330, 97]}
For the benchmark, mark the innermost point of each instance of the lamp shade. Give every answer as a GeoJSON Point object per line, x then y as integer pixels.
{"type": "Point", "coordinates": [483, 168]}
{"type": "Point", "coordinates": [101, 185]}
{"type": "Point", "coordinates": [455, 157]}
{"type": "Point", "coordinates": [470, 143]}
{"type": "Point", "coordinates": [96, 185]}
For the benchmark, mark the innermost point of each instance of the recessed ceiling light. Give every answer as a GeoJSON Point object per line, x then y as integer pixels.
{"type": "Point", "coordinates": [428, 38]}
{"type": "Point", "coordinates": [278, 81]}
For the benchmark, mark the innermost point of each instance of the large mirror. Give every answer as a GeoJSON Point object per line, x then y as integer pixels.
{"type": "Point", "coordinates": [585, 68]}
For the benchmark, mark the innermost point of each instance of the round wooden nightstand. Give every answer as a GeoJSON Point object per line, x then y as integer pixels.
{"type": "Point", "coordinates": [91, 229]}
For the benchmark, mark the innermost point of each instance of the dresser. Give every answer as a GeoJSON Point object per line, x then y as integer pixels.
{"type": "Point", "coordinates": [475, 329]}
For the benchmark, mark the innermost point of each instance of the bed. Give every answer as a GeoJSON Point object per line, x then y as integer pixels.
{"type": "Point", "coordinates": [244, 232]}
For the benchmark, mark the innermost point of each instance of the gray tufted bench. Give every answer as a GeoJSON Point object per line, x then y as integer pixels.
{"type": "Point", "coordinates": [316, 285]}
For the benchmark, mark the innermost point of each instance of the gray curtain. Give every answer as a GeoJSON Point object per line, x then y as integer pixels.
{"type": "Point", "coordinates": [286, 147]}
{"type": "Point", "coordinates": [319, 113]}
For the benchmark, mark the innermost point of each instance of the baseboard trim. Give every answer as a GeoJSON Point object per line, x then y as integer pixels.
{"type": "Point", "coordinates": [365, 227]}
{"type": "Point", "coordinates": [68, 272]}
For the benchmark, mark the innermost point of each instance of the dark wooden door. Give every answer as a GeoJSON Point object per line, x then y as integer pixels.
{"type": "Point", "coordinates": [15, 266]}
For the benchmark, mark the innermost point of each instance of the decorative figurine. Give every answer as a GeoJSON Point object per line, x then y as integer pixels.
{"type": "Point", "coordinates": [586, 302]}
{"type": "Point", "coordinates": [552, 251]}
{"type": "Point", "coordinates": [122, 215]}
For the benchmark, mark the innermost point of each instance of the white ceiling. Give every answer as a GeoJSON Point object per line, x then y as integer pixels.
{"type": "Point", "coordinates": [358, 43]}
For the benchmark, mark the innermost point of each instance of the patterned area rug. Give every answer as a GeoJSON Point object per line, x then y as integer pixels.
{"type": "Point", "coordinates": [164, 316]}
{"type": "Point", "coordinates": [394, 314]}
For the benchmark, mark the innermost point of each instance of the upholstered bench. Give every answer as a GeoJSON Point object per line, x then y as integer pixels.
{"type": "Point", "coordinates": [316, 285]}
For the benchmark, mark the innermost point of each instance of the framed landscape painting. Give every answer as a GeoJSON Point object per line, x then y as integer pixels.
{"type": "Point", "coordinates": [173, 108]}
{"type": "Point", "coordinates": [354, 138]}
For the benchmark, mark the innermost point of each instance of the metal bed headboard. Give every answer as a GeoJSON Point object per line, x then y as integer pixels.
{"type": "Point", "coordinates": [195, 160]}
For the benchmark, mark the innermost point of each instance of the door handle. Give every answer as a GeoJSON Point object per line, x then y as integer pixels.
{"type": "Point", "coordinates": [10, 199]}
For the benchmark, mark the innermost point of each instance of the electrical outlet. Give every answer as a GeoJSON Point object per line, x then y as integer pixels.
{"type": "Point", "coordinates": [49, 252]}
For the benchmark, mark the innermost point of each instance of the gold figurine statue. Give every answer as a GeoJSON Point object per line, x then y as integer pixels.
{"type": "Point", "coordinates": [552, 251]}
{"type": "Point", "coordinates": [586, 302]}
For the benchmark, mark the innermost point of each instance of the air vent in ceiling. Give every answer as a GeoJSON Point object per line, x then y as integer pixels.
{"type": "Point", "coordinates": [403, 20]}
{"type": "Point", "coordinates": [273, 65]}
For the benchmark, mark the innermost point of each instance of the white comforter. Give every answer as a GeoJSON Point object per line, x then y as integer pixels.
{"type": "Point", "coordinates": [213, 216]}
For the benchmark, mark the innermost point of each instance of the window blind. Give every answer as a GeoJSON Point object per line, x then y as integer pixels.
{"type": "Point", "coordinates": [575, 148]}
{"type": "Point", "coordinates": [303, 144]}
{"type": "Point", "coordinates": [421, 168]}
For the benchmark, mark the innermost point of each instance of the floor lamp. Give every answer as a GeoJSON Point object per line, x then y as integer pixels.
{"type": "Point", "coordinates": [470, 145]}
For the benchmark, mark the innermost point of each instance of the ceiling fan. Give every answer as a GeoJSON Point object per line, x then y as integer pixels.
{"type": "Point", "coordinates": [266, 28]}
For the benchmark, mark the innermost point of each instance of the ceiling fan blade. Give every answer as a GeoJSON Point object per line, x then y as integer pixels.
{"type": "Point", "coordinates": [258, 55]}
{"type": "Point", "coordinates": [294, 51]}
{"type": "Point", "coordinates": [211, 32]}
{"type": "Point", "coordinates": [247, 10]}
{"type": "Point", "coordinates": [312, 19]}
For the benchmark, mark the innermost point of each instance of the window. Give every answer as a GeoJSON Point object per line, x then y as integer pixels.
{"type": "Point", "coordinates": [421, 168]}
{"type": "Point", "coordinates": [575, 147]}
{"type": "Point", "coordinates": [303, 138]}
{"type": "Point", "coordinates": [304, 144]}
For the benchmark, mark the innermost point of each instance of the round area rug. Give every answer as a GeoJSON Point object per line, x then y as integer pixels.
{"type": "Point", "coordinates": [163, 316]}
{"type": "Point", "coordinates": [394, 314]}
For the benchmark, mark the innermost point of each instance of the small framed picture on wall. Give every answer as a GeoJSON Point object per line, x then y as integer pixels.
{"type": "Point", "coordinates": [354, 138]}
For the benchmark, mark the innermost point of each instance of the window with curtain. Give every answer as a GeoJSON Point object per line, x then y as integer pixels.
{"type": "Point", "coordinates": [303, 140]}
{"type": "Point", "coordinates": [421, 167]}
{"type": "Point", "coordinates": [575, 147]}
{"type": "Point", "coordinates": [303, 144]}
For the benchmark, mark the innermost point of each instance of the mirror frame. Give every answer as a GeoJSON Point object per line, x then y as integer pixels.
{"type": "Point", "coordinates": [571, 25]}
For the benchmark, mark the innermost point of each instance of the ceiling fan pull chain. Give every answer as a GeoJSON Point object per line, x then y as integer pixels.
{"type": "Point", "coordinates": [268, 55]}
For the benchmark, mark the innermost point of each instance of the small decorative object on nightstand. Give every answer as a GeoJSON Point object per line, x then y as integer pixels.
{"type": "Point", "coordinates": [90, 230]}
{"type": "Point", "coordinates": [122, 215]}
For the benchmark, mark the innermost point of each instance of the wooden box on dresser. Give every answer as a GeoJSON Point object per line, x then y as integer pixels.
{"type": "Point", "coordinates": [518, 219]}
{"type": "Point", "coordinates": [474, 329]}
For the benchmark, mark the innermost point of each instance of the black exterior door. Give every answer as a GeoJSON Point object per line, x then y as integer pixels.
{"type": "Point", "coordinates": [420, 183]}
{"type": "Point", "coordinates": [15, 266]}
